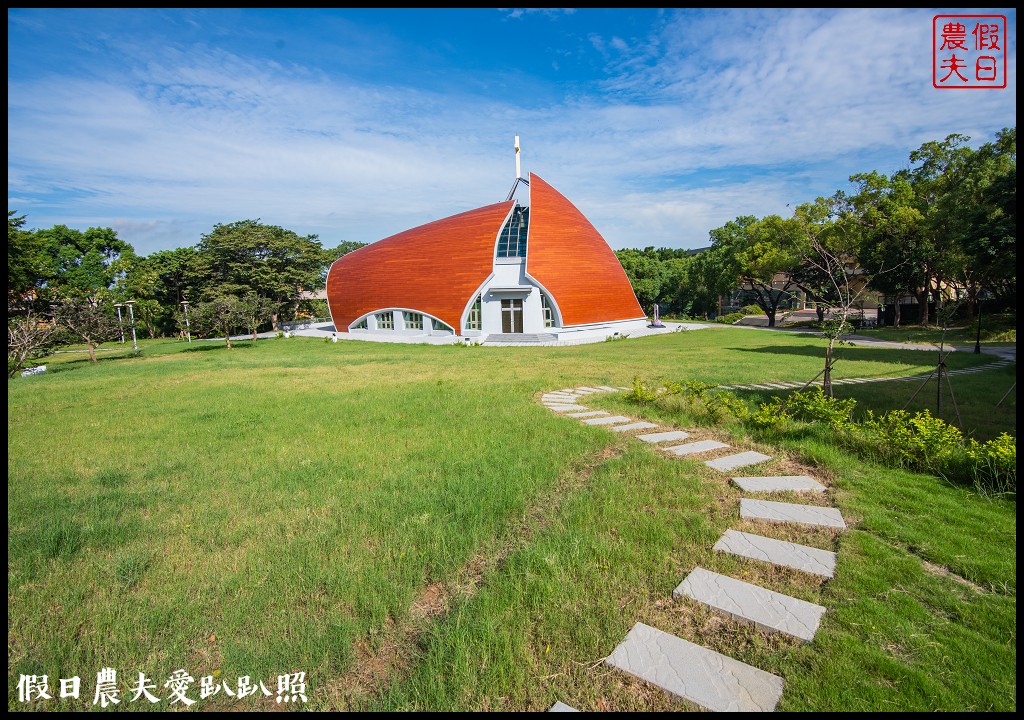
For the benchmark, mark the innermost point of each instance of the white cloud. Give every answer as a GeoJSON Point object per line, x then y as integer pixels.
{"type": "Point", "coordinates": [713, 115]}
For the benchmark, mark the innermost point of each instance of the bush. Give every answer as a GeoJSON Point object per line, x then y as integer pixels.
{"type": "Point", "coordinates": [772, 415]}
{"type": "Point", "coordinates": [751, 310]}
{"type": "Point", "coordinates": [815, 406]}
{"type": "Point", "coordinates": [993, 465]}
{"type": "Point", "coordinates": [641, 392]}
{"type": "Point", "coordinates": [927, 443]}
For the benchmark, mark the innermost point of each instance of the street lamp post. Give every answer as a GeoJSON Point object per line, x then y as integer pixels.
{"type": "Point", "coordinates": [131, 313]}
{"type": "Point", "coordinates": [188, 328]}
{"type": "Point", "coordinates": [119, 325]}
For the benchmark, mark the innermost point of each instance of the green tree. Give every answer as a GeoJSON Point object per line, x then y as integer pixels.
{"type": "Point", "coordinates": [341, 249]}
{"type": "Point", "coordinates": [940, 169]}
{"type": "Point", "coordinates": [221, 315]}
{"type": "Point", "coordinates": [762, 257]}
{"type": "Point", "coordinates": [987, 199]}
{"type": "Point", "coordinates": [254, 311]}
{"type": "Point", "coordinates": [76, 263]}
{"type": "Point", "coordinates": [645, 274]}
{"type": "Point", "coordinates": [24, 264]}
{"type": "Point", "coordinates": [711, 274]}
{"type": "Point", "coordinates": [267, 260]}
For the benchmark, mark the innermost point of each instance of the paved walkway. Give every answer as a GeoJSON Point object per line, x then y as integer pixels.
{"type": "Point", "coordinates": [701, 676]}
{"type": "Point", "coordinates": [790, 385]}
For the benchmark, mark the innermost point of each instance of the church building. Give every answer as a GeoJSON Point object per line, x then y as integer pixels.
{"type": "Point", "coordinates": [503, 272]}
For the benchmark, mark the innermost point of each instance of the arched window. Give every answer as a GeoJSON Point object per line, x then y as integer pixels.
{"type": "Point", "coordinates": [473, 321]}
{"type": "Point", "coordinates": [549, 311]}
{"type": "Point", "coordinates": [512, 242]}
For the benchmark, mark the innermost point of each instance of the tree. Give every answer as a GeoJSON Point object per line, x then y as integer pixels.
{"type": "Point", "coordinates": [29, 338]}
{"type": "Point", "coordinates": [88, 320]}
{"type": "Point", "coordinates": [267, 260]}
{"type": "Point", "coordinates": [77, 263]}
{"type": "Point", "coordinates": [254, 311]}
{"type": "Point", "coordinates": [24, 265]}
{"type": "Point", "coordinates": [341, 249]}
{"type": "Point", "coordinates": [761, 256]}
{"type": "Point", "coordinates": [941, 168]}
{"type": "Point", "coordinates": [892, 247]}
{"type": "Point", "coordinates": [220, 315]}
{"type": "Point", "coordinates": [645, 275]}
{"type": "Point", "coordinates": [988, 201]}
{"type": "Point", "coordinates": [832, 273]}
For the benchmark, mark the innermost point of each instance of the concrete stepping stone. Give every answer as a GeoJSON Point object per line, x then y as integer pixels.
{"type": "Point", "coordinates": [765, 608]}
{"type": "Point", "coordinates": [708, 679]}
{"type": "Point", "coordinates": [779, 483]}
{"type": "Point", "coordinates": [731, 462]}
{"type": "Point", "coordinates": [559, 398]}
{"type": "Point", "coordinates": [565, 408]}
{"type": "Point", "coordinates": [589, 413]}
{"type": "Point", "coordinates": [587, 390]}
{"type": "Point", "coordinates": [606, 388]}
{"type": "Point", "coordinates": [695, 447]}
{"type": "Point", "coordinates": [634, 426]}
{"type": "Point", "coordinates": [622, 387]}
{"type": "Point", "coordinates": [778, 552]}
{"type": "Point", "coordinates": [790, 512]}
{"type": "Point", "coordinates": [562, 707]}
{"type": "Point", "coordinates": [610, 420]}
{"type": "Point", "coordinates": [664, 436]}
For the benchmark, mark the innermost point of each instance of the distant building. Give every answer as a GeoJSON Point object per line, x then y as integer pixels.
{"type": "Point", "coordinates": [536, 270]}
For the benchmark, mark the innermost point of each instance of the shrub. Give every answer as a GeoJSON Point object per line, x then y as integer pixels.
{"type": "Point", "coordinates": [993, 465]}
{"type": "Point", "coordinates": [751, 310]}
{"type": "Point", "coordinates": [772, 415]}
{"type": "Point", "coordinates": [730, 318]}
{"type": "Point", "coordinates": [931, 444]}
{"type": "Point", "coordinates": [815, 406]}
{"type": "Point", "coordinates": [641, 392]}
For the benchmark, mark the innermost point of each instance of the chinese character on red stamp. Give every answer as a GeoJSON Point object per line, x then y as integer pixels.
{"type": "Point", "coordinates": [969, 51]}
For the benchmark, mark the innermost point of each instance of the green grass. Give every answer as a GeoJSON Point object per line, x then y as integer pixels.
{"type": "Point", "coordinates": [409, 527]}
{"type": "Point", "coordinates": [996, 329]}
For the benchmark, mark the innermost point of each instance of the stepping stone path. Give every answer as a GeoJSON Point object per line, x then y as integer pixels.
{"type": "Point", "coordinates": [695, 447]}
{"type": "Point", "coordinates": [562, 707]}
{"type": "Point", "coordinates": [696, 674]}
{"type": "Point", "coordinates": [779, 483]}
{"type": "Point", "coordinates": [731, 462]}
{"type": "Point", "coordinates": [791, 513]}
{"type": "Point", "coordinates": [778, 552]}
{"type": "Point", "coordinates": [706, 678]}
{"type": "Point", "coordinates": [765, 608]}
{"type": "Point", "coordinates": [634, 426]}
{"type": "Point", "coordinates": [565, 408]}
{"type": "Point", "coordinates": [664, 436]}
{"type": "Point", "coordinates": [610, 420]}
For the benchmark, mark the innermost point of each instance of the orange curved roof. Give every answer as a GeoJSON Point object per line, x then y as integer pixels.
{"type": "Point", "coordinates": [568, 256]}
{"type": "Point", "coordinates": [434, 268]}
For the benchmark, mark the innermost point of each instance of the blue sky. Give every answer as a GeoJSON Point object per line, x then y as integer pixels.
{"type": "Point", "coordinates": [660, 125]}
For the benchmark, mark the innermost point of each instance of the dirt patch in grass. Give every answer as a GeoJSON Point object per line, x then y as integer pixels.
{"type": "Point", "coordinates": [377, 665]}
{"type": "Point", "coordinates": [947, 573]}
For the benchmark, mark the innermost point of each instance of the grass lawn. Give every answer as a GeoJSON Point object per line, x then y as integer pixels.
{"type": "Point", "coordinates": [408, 526]}
{"type": "Point", "coordinates": [996, 329]}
